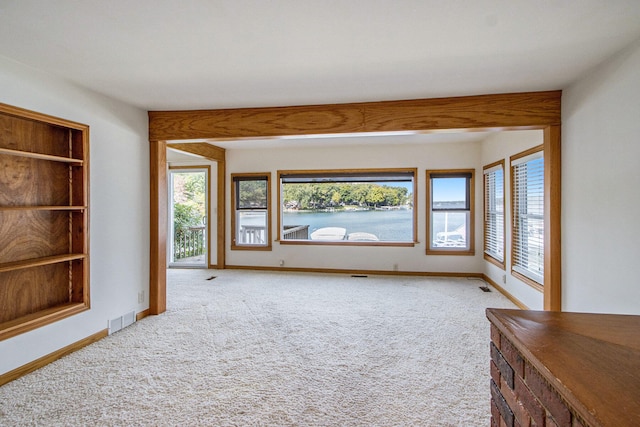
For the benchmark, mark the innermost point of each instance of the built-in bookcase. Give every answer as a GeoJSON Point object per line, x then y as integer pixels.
{"type": "Point", "coordinates": [44, 219]}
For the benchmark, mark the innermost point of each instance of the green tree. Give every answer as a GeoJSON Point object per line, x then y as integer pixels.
{"type": "Point", "coordinates": [336, 198]}
{"type": "Point", "coordinates": [323, 195]}
{"type": "Point", "coordinates": [188, 200]}
{"type": "Point", "coordinates": [253, 193]}
{"type": "Point", "coordinates": [186, 215]}
{"type": "Point", "coordinates": [375, 195]}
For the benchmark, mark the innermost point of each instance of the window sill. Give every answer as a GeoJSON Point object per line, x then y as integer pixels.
{"type": "Point", "coordinates": [250, 248]}
{"type": "Point", "coordinates": [494, 261]}
{"type": "Point", "coordinates": [535, 285]}
{"type": "Point", "coordinates": [450, 252]}
{"type": "Point", "coordinates": [345, 243]}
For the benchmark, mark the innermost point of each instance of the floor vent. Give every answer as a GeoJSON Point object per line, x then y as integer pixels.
{"type": "Point", "coordinates": [121, 322]}
{"type": "Point", "coordinates": [485, 288]}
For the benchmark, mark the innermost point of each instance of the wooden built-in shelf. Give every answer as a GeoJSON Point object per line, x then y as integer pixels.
{"type": "Point", "coordinates": [44, 219]}
{"type": "Point", "coordinates": [28, 263]}
{"type": "Point", "coordinates": [40, 156]}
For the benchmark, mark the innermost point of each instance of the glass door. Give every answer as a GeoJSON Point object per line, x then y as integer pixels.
{"type": "Point", "coordinates": [188, 194]}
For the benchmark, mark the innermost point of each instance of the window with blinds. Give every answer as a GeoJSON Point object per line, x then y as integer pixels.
{"type": "Point", "coordinates": [252, 211]}
{"type": "Point", "coordinates": [527, 177]}
{"type": "Point", "coordinates": [494, 213]}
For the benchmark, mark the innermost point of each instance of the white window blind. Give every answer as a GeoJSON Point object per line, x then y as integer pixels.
{"type": "Point", "coordinates": [527, 174]}
{"type": "Point", "coordinates": [494, 212]}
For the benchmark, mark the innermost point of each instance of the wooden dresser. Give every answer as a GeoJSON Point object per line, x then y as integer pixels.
{"type": "Point", "coordinates": [564, 369]}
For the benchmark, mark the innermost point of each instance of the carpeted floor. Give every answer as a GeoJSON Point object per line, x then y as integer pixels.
{"type": "Point", "coordinates": [276, 349]}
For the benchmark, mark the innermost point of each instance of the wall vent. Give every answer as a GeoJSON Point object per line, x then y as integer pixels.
{"type": "Point", "coordinates": [121, 322]}
{"type": "Point", "coordinates": [128, 319]}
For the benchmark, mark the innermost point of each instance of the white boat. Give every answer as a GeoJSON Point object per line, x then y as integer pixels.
{"type": "Point", "coordinates": [329, 233]}
{"type": "Point", "coordinates": [362, 237]}
{"type": "Point", "coordinates": [451, 239]}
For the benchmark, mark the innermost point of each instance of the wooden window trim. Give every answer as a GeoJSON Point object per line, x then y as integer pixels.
{"type": "Point", "coordinates": [320, 172]}
{"type": "Point", "coordinates": [487, 257]}
{"type": "Point", "coordinates": [453, 173]}
{"type": "Point", "coordinates": [234, 246]}
{"type": "Point", "coordinates": [537, 286]}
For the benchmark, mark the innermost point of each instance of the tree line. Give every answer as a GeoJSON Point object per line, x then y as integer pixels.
{"type": "Point", "coordinates": [307, 196]}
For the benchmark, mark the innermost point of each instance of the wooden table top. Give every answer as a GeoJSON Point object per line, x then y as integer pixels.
{"type": "Point", "coordinates": [592, 360]}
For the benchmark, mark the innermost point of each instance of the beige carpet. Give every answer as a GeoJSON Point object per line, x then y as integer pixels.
{"type": "Point", "coordinates": [276, 349]}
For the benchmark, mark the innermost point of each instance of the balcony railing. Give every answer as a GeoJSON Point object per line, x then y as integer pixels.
{"type": "Point", "coordinates": [295, 232]}
{"type": "Point", "coordinates": [252, 235]}
{"type": "Point", "coordinates": [256, 234]}
{"type": "Point", "coordinates": [189, 242]}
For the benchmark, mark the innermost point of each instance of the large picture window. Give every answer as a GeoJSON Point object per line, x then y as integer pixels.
{"type": "Point", "coordinates": [251, 219]}
{"type": "Point", "coordinates": [494, 213]}
{"type": "Point", "coordinates": [527, 179]}
{"type": "Point", "coordinates": [359, 207]}
{"type": "Point", "coordinates": [450, 203]}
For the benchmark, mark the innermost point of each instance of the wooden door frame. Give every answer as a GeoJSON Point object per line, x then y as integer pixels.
{"type": "Point", "coordinates": [514, 111]}
{"type": "Point", "coordinates": [215, 154]}
{"type": "Point", "coordinates": [207, 170]}
{"type": "Point", "coordinates": [159, 217]}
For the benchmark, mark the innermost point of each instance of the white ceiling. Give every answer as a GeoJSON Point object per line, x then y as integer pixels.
{"type": "Point", "coordinates": [193, 54]}
{"type": "Point", "coordinates": [355, 139]}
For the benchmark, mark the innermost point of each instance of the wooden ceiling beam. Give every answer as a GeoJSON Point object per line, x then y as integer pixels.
{"type": "Point", "coordinates": [500, 111]}
{"type": "Point", "coordinates": [203, 149]}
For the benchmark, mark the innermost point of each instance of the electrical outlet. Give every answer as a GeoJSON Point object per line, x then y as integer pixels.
{"type": "Point", "coordinates": [281, 263]}
{"type": "Point", "coordinates": [504, 278]}
{"type": "Point", "coordinates": [140, 297]}
{"type": "Point", "coordinates": [395, 267]}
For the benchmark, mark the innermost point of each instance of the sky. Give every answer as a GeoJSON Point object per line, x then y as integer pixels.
{"type": "Point", "coordinates": [445, 189]}
{"type": "Point", "coordinates": [449, 189]}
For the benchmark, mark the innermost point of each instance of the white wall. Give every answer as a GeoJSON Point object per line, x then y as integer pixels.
{"type": "Point", "coordinates": [448, 155]}
{"type": "Point", "coordinates": [601, 188]}
{"type": "Point", "coordinates": [119, 206]}
{"type": "Point", "coordinates": [501, 146]}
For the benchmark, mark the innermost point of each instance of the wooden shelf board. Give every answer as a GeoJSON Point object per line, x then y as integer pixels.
{"type": "Point", "coordinates": [17, 265]}
{"type": "Point", "coordinates": [42, 208]}
{"type": "Point", "coordinates": [39, 318]}
{"type": "Point", "coordinates": [40, 156]}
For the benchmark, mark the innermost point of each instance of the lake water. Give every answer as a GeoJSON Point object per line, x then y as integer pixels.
{"type": "Point", "coordinates": [396, 225]}
{"type": "Point", "coordinates": [393, 225]}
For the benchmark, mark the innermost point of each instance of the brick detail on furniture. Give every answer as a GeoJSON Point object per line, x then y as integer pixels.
{"type": "Point", "coordinates": [519, 394]}
{"type": "Point", "coordinates": [560, 369]}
